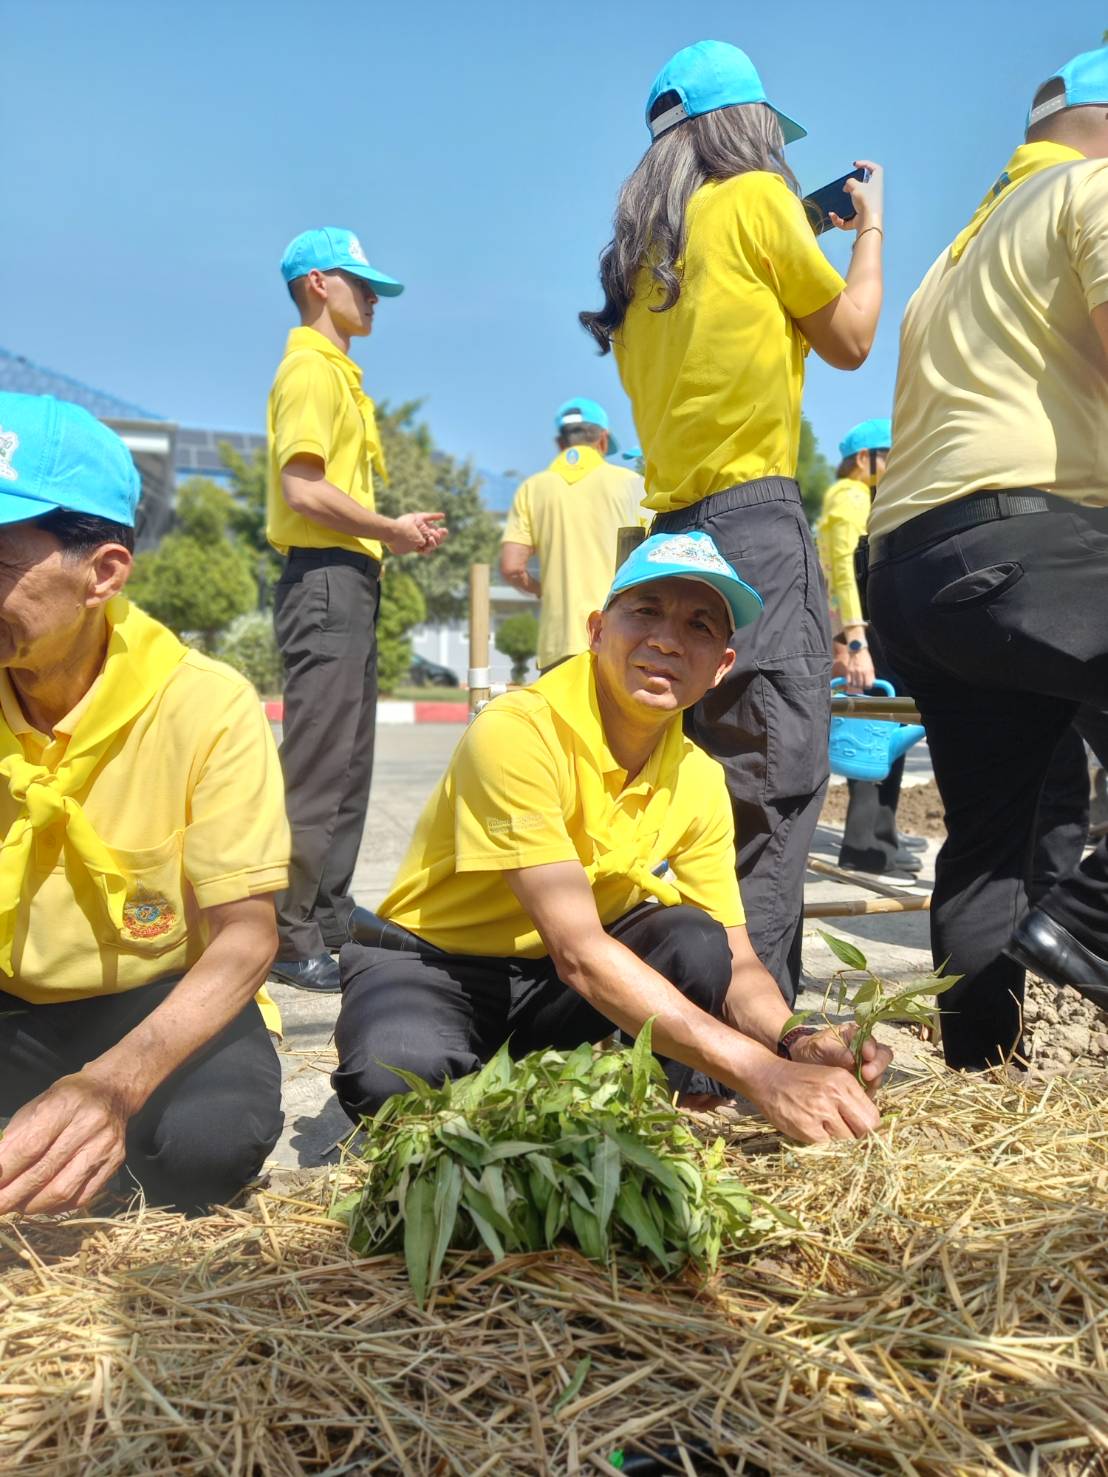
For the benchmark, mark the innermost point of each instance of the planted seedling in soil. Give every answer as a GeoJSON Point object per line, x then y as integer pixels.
{"type": "Point", "coordinates": [875, 1000]}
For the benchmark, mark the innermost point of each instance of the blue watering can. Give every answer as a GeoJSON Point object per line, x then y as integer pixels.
{"type": "Point", "coordinates": [867, 748]}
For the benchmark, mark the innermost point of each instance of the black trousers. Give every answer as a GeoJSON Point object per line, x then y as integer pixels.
{"type": "Point", "coordinates": [1000, 634]}
{"type": "Point", "coordinates": [443, 1015]}
{"type": "Point", "coordinates": [870, 838]}
{"type": "Point", "coordinates": [768, 721]}
{"type": "Point", "coordinates": [203, 1135]}
{"type": "Point", "coordinates": [325, 616]}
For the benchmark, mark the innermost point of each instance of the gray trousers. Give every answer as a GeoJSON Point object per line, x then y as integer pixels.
{"type": "Point", "coordinates": [325, 615]}
{"type": "Point", "coordinates": [768, 721]}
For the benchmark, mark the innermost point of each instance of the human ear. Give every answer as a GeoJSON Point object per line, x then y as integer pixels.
{"type": "Point", "coordinates": [109, 569]}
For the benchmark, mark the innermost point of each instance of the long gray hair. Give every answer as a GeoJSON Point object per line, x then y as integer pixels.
{"type": "Point", "coordinates": [649, 225]}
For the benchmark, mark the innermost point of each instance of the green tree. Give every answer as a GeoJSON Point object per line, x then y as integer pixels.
{"type": "Point", "coordinates": [518, 637]}
{"type": "Point", "coordinates": [249, 644]}
{"type": "Point", "coordinates": [423, 477]}
{"type": "Point", "coordinates": [197, 579]}
{"type": "Point", "coordinates": [402, 607]}
{"type": "Point", "coordinates": [813, 471]}
{"type": "Point", "coordinates": [248, 515]}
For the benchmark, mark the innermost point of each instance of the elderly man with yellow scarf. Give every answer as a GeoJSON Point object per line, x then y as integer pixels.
{"type": "Point", "coordinates": [142, 835]}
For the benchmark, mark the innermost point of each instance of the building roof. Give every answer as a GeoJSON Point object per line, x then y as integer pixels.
{"type": "Point", "coordinates": [24, 377]}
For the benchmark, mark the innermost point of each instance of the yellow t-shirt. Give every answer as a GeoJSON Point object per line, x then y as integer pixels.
{"type": "Point", "coordinates": [842, 522]}
{"type": "Point", "coordinates": [715, 381]}
{"type": "Point", "coordinates": [571, 515]}
{"type": "Point", "coordinates": [1003, 381]}
{"type": "Point", "coordinates": [533, 781]}
{"type": "Point", "coordinates": [317, 407]}
{"type": "Point", "coordinates": [189, 800]}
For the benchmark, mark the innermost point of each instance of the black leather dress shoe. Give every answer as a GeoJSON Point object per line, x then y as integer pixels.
{"type": "Point", "coordinates": [1051, 951]}
{"type": "Point", "coordinates": [319, 973]}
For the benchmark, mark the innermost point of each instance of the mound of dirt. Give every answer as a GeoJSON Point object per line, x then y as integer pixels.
{"type": "Point", "coordinates": [920, 812]}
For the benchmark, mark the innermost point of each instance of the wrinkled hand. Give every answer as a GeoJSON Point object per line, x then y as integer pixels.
{"type": "Point", "coordinates": [859, 671]}
{"type": "Point", "coordinates": [416, 533]}
{"type": "Point", "coordinates": [814, 1103]}
{"type": "Point", "coordinates": [831, 1048]}
{"type": "Point", "coordinates": [868, 197]}
{"type": "Point", "coordinates": [61, 1147]}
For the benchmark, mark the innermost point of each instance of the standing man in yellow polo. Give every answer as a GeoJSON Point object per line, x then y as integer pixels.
{"type": "Point", "coordinates": [570, 515]}
{"type": "Point", "coordinates": [324, 451]}
{"type": "Point", "coordinates": [143, 835]}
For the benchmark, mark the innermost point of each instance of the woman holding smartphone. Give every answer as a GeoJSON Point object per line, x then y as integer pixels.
{"type": "Point", "coordinates": [714, 288]}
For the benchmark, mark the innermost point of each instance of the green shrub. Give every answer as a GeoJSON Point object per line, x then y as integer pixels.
{"type": "Point", "coordinates": [402, 607]}
{"type": "Point", "coordinates": [250, 646]}
{"type": "Point", "coordinates": [518, 637]}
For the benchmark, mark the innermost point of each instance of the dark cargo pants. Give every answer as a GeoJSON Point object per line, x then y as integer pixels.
{"type": "Point", "coordinates": [768, 721]}
{"type": "Point", "coordinates": [325, 615]}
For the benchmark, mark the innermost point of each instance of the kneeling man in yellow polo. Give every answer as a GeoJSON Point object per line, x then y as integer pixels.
{"type": "Point", "coordinates": [143, 835]}
{"type": "Point", "coordinates": [574, 874]}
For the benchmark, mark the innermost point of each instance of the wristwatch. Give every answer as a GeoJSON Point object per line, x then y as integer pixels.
{"type": "Point", "coordinates": [857, 645]}
{"type": "Point", "coordinates": [790, 1038]}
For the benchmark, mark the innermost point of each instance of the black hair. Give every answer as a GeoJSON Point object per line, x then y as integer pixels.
{"type": "Point", "coordinates": [80, 533]}
{"type": "Point", "coordinates": [581, 433]}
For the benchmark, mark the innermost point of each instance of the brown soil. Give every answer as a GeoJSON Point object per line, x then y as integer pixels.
{"type": "Point", "coordinates": [920, 812]}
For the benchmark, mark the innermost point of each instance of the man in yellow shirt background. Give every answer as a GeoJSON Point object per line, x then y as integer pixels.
{"type": "Point", "coordinates": [570, 515]}
{"type": "Point", "coordinates": [144, 837]}
{"type": "Point", "coordinates": [574, 873]}
{"type": "Point", "coordinates": [989, 553]}
{"type": "Point", "coordinates": [324, 453]}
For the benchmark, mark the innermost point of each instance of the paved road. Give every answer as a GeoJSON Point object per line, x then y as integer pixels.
{"type": "Point", "coordinates": [409, 762]}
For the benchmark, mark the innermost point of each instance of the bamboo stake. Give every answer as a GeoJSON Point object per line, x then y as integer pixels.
{"type": "Point", "coordinates": [862, 879]}
{"type": "Point", "coordinates": [884, 709]}
{"type": "Point", "coordinates": [627, 541]}
{"type": "Point", "coordinates": [478, 676]}
{"type": "Point", "coordinates": [856, 906]}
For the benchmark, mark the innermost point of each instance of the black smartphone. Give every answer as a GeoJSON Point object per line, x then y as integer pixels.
{"type": "Point", "coordinates": [832, 199]}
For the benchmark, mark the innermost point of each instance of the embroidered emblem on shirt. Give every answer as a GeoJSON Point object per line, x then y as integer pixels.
{"type": "Point", "coordinates": [698, 553]}
{"type": "Point", "coordinates": [573, 456]}
{"type": "Point", "coordinates": [355, 252]}
{"type": "Point", "coordinates": [9, 444]}
{"type": "Point", "coordinates": [148, 915]}
{"type": "Point", "coordinates": [532, 821]}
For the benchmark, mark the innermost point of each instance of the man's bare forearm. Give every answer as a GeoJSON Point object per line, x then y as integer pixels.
{"type": "Point", "coordinates": [219, 985]}
{"type": "Point", "coordinates": [326, 504]}
{"type": "Point", "coordinates": [521, 579]}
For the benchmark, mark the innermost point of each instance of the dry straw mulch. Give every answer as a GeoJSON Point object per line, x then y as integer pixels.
{"type": "Point", "coordinates": [944, 1310]}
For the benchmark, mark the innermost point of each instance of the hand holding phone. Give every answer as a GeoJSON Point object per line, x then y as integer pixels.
{"type": "Point", "coordinates": [849, 203]}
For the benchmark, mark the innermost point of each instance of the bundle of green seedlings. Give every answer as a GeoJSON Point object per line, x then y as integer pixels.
{"type": "Point", "coordinates": [876, 1001]}
{"type": "Point", "coordinates": [582, 1148]}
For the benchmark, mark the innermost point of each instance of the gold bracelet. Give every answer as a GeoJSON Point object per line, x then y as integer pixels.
{"type": "Point", "coordinates": [862, 232]}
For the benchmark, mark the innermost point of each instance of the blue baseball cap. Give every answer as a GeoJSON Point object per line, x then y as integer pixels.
{"type": "Point", "coordinates": [1085, 85]}
{"type": "Point", "coordinates": [706, 76]}
{"type": "Point", "coordinates": [872, 435]}
{"type": "Point", "coordinates": [56, 455]}
{"type": "Point", "coordinates": [585, 412]}
{"type": "Point", "coordinates": [691, 556]}
{"type": "Point", "coordinates": [332, 249]}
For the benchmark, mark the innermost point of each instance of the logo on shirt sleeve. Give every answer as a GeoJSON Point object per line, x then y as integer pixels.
{"type": "Point", "coordinates": [532, 820]}
{"type": "Point", "coordinates": [9, 445]}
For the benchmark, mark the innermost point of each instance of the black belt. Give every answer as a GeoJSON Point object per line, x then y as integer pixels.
{"type": "Point", "coordinates": [365, 562]}
{"type": "Point", "coordinates": [742, 495]}
{"type": "Point", "coordinates": [971, 512]}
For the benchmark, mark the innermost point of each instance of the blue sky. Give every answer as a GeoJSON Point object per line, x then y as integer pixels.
{"type": "Point", "coordinates": [156, 158]}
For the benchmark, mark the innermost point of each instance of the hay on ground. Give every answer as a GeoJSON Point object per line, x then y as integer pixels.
{"type": "Point", "coordinates": [943, 1310]}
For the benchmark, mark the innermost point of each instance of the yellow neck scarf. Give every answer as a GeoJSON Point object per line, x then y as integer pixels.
{"type": "Point", "coordinates": [1028, 159]}
{"type": "Point", "coordinates": [635, 857]}
{"type": "Point", "coordinates": [576, 462]}
{"type": "Point", "coordinates": [351, 375]}
{"type": "Point", "coordinates": [140, 658]}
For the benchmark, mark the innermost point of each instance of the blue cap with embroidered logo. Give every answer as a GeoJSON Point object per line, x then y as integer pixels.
{"type": "Point", "coordinates": [582, 412]}
{"type": "Point", "coordinates": [54, 454]}
{"type": "Point", "coordinates": [871, 435]}
{"type": "Point", "coordinates": [333, 249]}
{"type": "Point", "coordinates": [692, 556]}
{"type": "Point", "coordinates": [706, 76]}
{"type": "Point", "coordinates": [1084, 85]}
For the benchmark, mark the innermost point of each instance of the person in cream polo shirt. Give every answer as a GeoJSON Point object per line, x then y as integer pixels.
{"type": "Point", "coordinates": [989, 553]}
{"type": "Point", "coordinates": [324, 453]}
{"type": "Point", "coordinates": [143, 838]}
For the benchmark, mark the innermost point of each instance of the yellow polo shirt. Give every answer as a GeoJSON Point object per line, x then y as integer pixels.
{"type": "Point", "coordinates": [533, 781]}
{"type": "Point", "coordinates": [715, 381]}
{"type": "Point", "coordinates": [571, 515]}
{"type": "Point", "coordinates": [190, 801]}
{"type": "Point", "coordinates": [1002, 380]}
{"type": "Point", "coordinates": [317, 407]}
{"type": "Point", "coordinates": [842, 522]}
